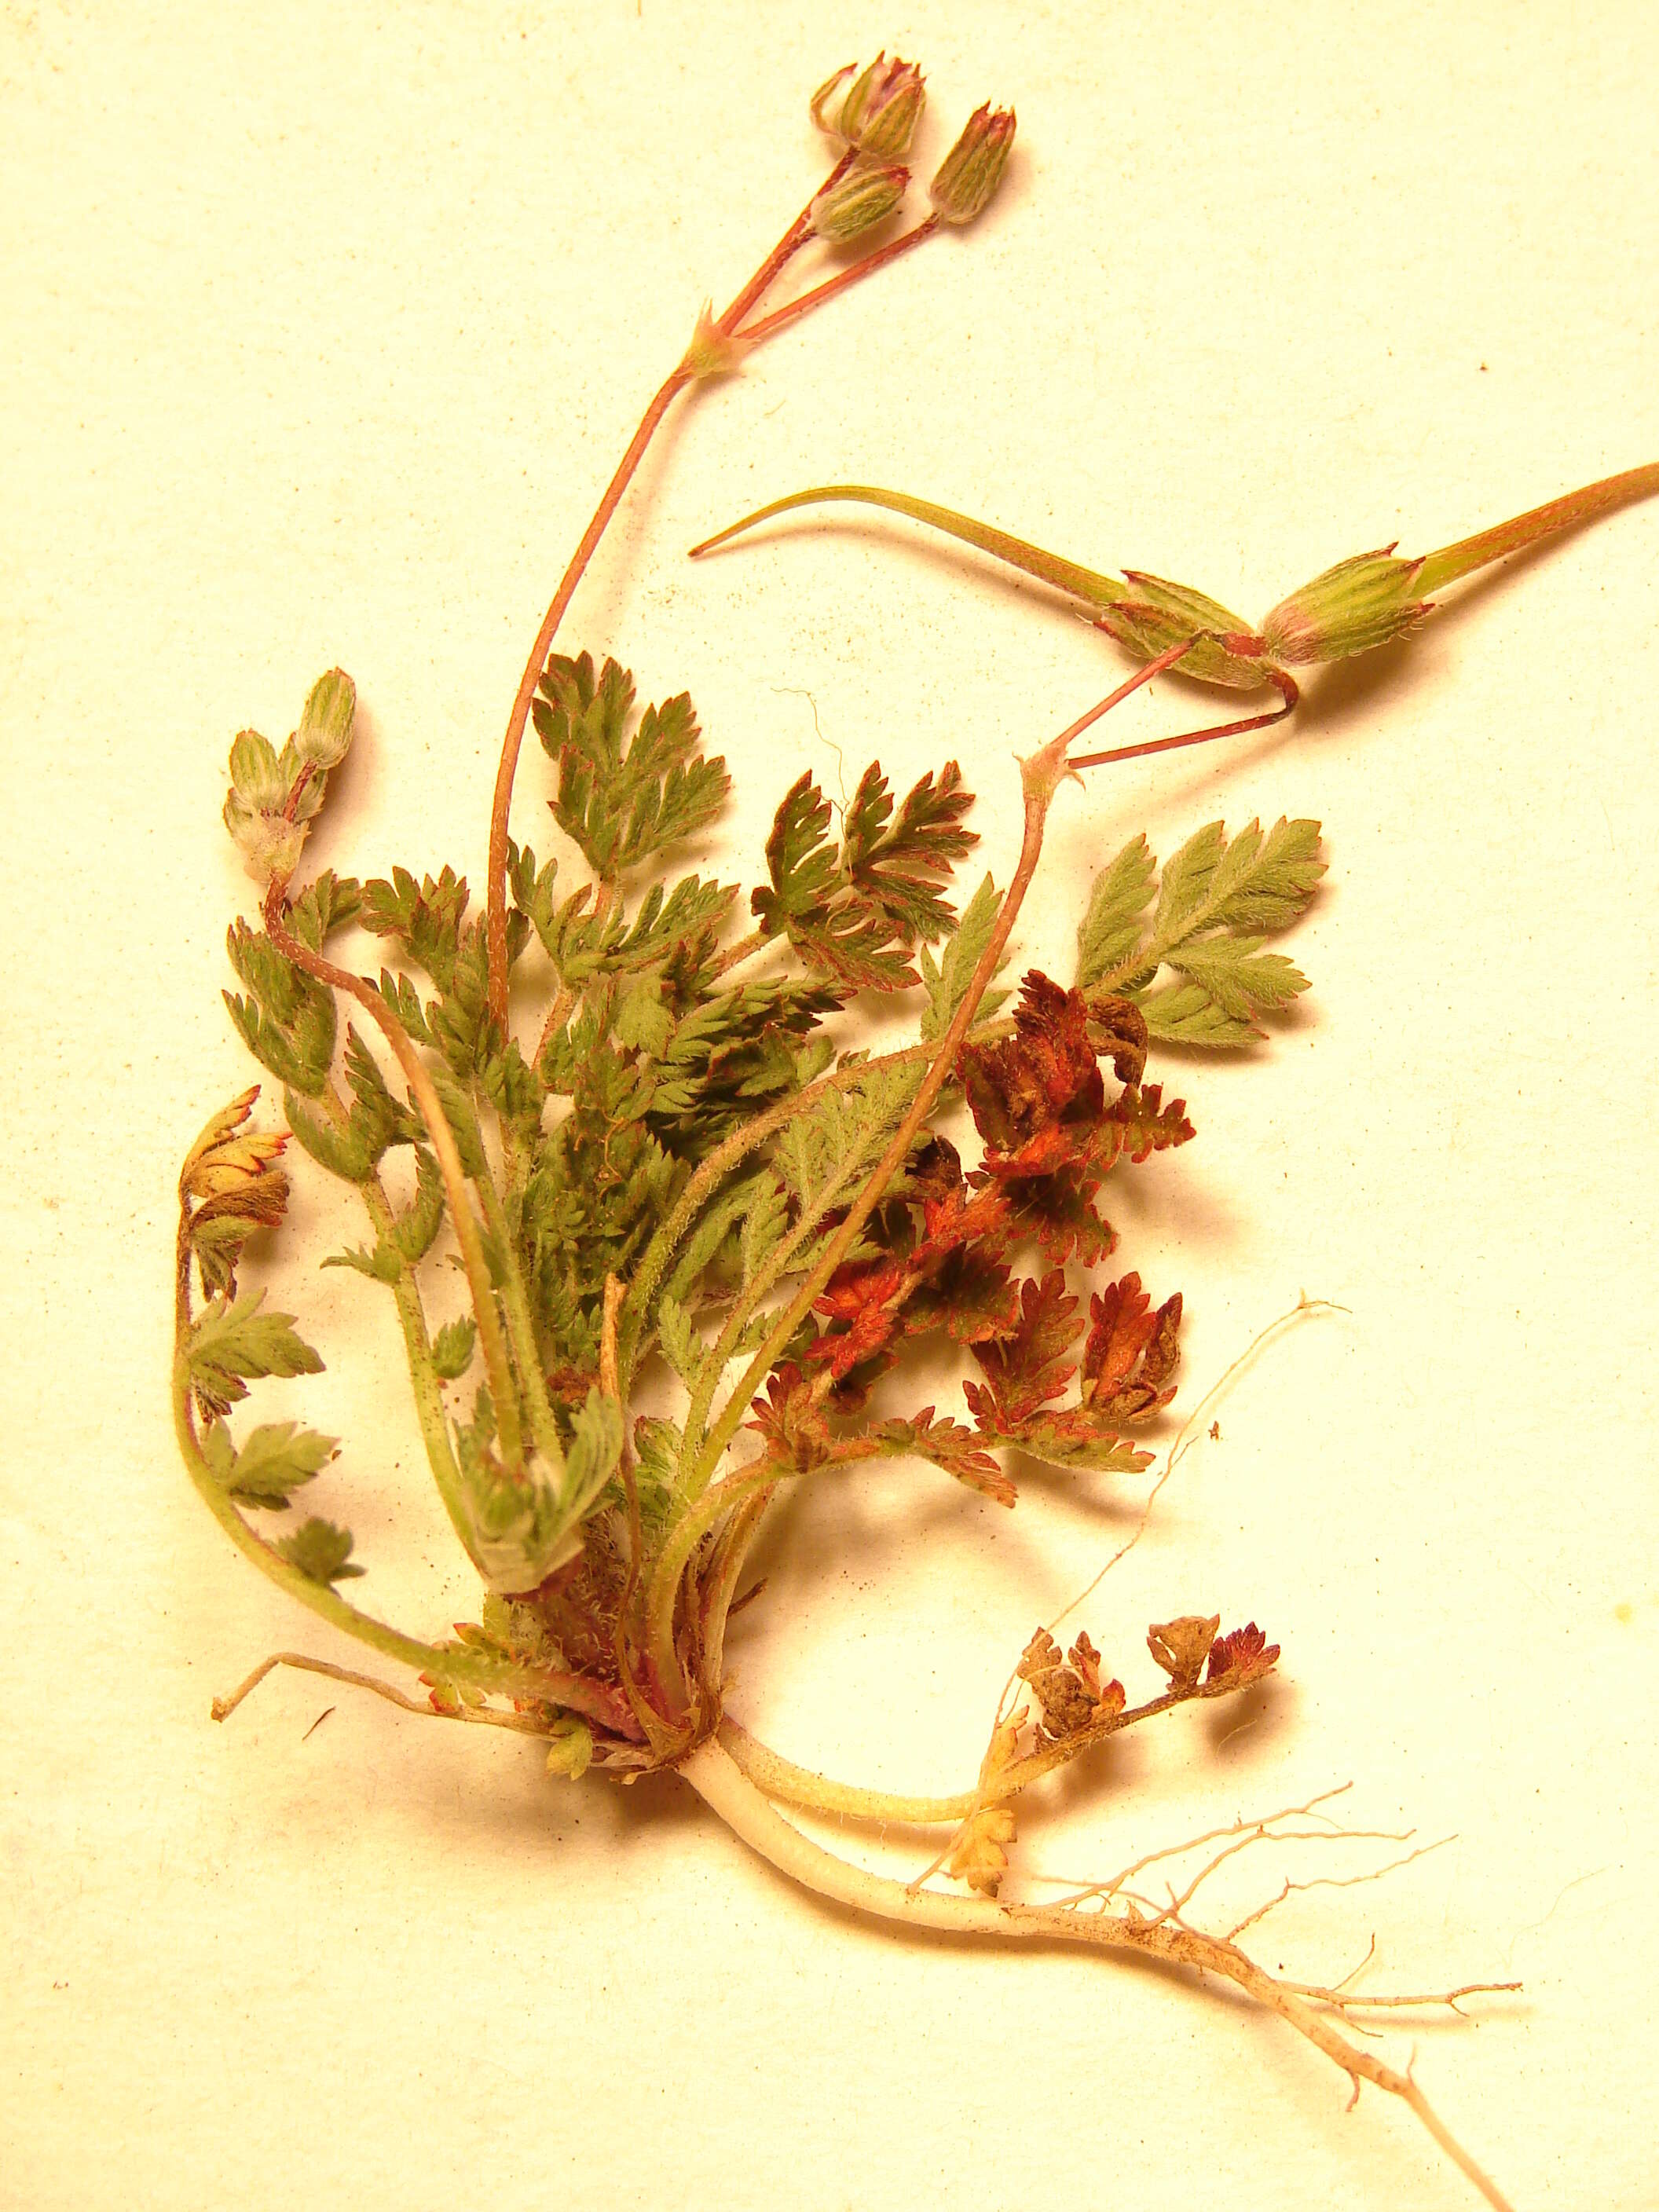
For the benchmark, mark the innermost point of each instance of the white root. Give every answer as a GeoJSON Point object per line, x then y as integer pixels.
{"type": "Point", "coordinates": [728, 1791]}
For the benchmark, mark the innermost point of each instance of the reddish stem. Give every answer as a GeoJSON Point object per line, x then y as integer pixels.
{"type": "Point", "coordinates": [790, 244]}
{"type": "Point", "coordinates": [770, 324]}
{"type": "Point", "coordinates": [798, 234]}
{"type": "Point", "coordinates": [1289, 693]}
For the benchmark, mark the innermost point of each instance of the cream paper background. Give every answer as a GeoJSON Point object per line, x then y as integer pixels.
{"type": "Point", "coordinates": [323, 328]}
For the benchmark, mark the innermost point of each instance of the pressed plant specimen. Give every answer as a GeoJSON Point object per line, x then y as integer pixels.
{"type": "Point", "coordinates": [687, 1170]}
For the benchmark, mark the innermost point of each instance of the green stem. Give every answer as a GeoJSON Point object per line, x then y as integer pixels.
{"type": "Point", "coordinates": [1451, 562]}
{"type": "Point", "coordinates": [422, 1375]}
{"type": "Point", "coordinates": [714, 1362]}
{"type": "Point", "coordinates": [444, 1149]}
{"type": "Point", "coordinates": [574, 1692]}
{"type": "Point", "coordinates": [1085, 584]}
{"type": "Point", "coordinates": [521, 1328]}
{"type": "Point", "coordinates": [688, 1532]}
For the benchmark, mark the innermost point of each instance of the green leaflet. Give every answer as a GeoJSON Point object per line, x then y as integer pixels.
{"type": "Point", "coordinates": [682, 1347]}
{"type": "Point", "coordinates": [286, 1021]}
{"type": "Point", "coordinates": [947, 978]}
{"type": "Point", "coordinates": [229, 1346]}
{"type": "Point", "coordinates": [320, 1550]}
{"type": "Point", "coordinates": [1217, 902]}
{"type": "Point", "coordinates": [452, 1347]}
{"type": "Point", "coordinates": [836, 1139]}
{"type": "Point", "coordinates": [379, 1265]}
{"type": "Point", "coordinates": [1110, 931]}
{"type": "Point", "coordinates": [413, 1231]}
{"type": "Point", "coordinates": [622, 799]}
{"type": "Point", "coordinates": [273, 1459]}
{"type": "Point", "coordinates": [327, 904]}
{"type": "Point", "coordinates": [857, 912]}
{"type": "Point", "coordinates": [346, 1151]}
{"type": "Point", "coordinates": [764, 1227]}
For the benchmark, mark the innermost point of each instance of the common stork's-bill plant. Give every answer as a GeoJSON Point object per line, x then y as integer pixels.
{"type": "Point", "coordinates": [703, 1228]}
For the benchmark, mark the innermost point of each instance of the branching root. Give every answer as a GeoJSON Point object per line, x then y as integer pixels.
{"type": "Point", "coordinates": [1165, 1936]}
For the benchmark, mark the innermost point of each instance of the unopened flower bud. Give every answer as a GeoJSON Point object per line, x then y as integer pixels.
{"type": "Point", "coordinates": [972, 170]}
{"type": "Point", "coordinates": [323, 737]}
{"type": "Point", "coordinates": [713, 351]}
{"type": "Point", "coordinates": [879, 113]}
{"type": "Point", "coordinates": [256, 776]}
{"type": "Point", "coordinates": [863, 198]}
{"type": "Point", "coordinates": [1356, 605]}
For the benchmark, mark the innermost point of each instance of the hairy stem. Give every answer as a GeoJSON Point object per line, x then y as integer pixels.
{"type": "Point", "coordinates": [1451, 562]}
{"type": "Point", "coordinates": [521, 1328]}
{"type": "Point", "coordinates": [422, 1375]}
{"type": "Point", "coordinates": [717, 1779]}
{"type": "Point", "coordinates": [444, 1149]}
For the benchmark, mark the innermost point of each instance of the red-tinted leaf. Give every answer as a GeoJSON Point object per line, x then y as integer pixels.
{"type": "Point", "coordinates": [969, 1295]}
{"type": "Point", "coordinates": [1043, 1074]}
{"type": "Point", "coordinates": [1241, 1657]}
{"type": "Point", "coordinates": [1028, 1367]}
{"type": "Point", "coordinates": [1131, 1351]}
{"type": "Point", "coordinates": [1085, 1661]}
{"type": "Point", "coordinates": [1120, 1324]}
{"type": "Point", "coordinates": [948, 1445]}
{"type": "Point", "coordinates": [1072, 1437]}
{"type": "Point", "coordinates": [792, 1420]}
{"type": "Point", "coordinates": [1147, 1125]}
{"type": "Point", "coordinates": [850, 1289]}
{"type": "Point", "coordinates": [1059, 1212]}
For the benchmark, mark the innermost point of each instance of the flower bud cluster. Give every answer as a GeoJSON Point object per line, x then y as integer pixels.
{"type": "Point", "coordinates": [875, 117]}
{"type": "Point", "coordinates": [274, 796]}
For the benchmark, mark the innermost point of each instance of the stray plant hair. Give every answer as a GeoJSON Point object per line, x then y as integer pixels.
{"type": "Point", "coordinates": [687, 1169]}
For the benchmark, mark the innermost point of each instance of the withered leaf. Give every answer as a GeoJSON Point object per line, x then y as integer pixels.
{"type": "Point", "coordinates": [1072, 1696]}
{"type": "Point", "coordinates": [979, 1854]}
{"type": "Point", "coordinates": [1131, 1351]}
{"type": "Point", "coordinates": [1181, 1646]}
{"type": "Point", "coordinates": [1029, 1366]}
{"type": "Point", "coordinates": [1044, 1074]}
